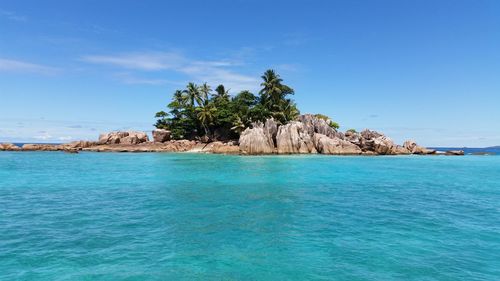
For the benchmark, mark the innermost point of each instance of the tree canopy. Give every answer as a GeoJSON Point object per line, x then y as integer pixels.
{"type": "Point", "coordinates": [199, 111]}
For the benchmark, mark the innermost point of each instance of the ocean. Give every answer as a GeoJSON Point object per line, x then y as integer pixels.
{"type": "Point", "coordinates": [162, 216]}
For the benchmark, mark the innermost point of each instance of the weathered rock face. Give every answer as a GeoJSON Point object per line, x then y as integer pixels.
{"type": "Point", "coordinates": [414, 148]}
{"type": "Point", "coordinates": [384, 145]}
{"type": "Point", "coordinates": [293, 138]}
{"type": "Point", "coordinates": [130, 137]}
{"type": "Point", "coordinates": [271, 129]}
{"type": "Point", "coordinates": [400, 150]}
{"type": "Point", "coordinates": [9, 147]}
{"type": "Point", "coordinates": [78, 144]}
{"type": "Point", "coordinates": [313, 125]}
{"type": "Point", "coordinates": [410, 145]}
{"type": "Point", "coordinates": [380, 144]}
{"type": "Point", "coordinates": [40, 147]}
{"type": "Point", "coordinates": [256, 140]}
{"type": "Point", "coordinates": [353, 137]}
{"type": "Point", "coordinates": [161, 135]}
{"type": "Point", "coordinates": [326, 145]}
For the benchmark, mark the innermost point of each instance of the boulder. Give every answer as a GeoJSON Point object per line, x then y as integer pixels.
{"type": "Point", "coordinates": [161, 135]}
{"type": "Point", "coordinates": [454, 152]}
{"type": "Point", "coordinates": [353, 137]}
{"type": "Point", "coordinates": [129, 137]}
{"type": "Point", "coordinates": [140, 137]}
{"type": "Point", "coordinates": [293, 138]}
{"type": "Point", "coordinates": [256, 140]}
{"type": "Point", "coordinates": [271, 129]}
{"type": "Point", "coordinates": [380, 144]}
{"type": "Point", "coordinates": [112, 137]}
{"type": "Point", "coordinates": [9, 147]}
{"type": "Point", "coordinates": [400, 150]}
{"type": "Point", "coordinates": [222, 148]}
{"type": "Point", "coordinates": [129, 140]}
{"type": "Point", "coordinates": [40, 147]}
{"type": "Point", "coordinates": [312, 125]}
{"type": "Point", "coordinates": [410, 145]}
{"type": "Point", "coordinates": [414, 148]}
{"type": "Point", "coordinates": [326, 145]}
{"type": "Point", "coordinates": [78, 145]}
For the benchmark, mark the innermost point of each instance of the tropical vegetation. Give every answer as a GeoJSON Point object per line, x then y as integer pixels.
{"type": "Point", "coordinates": [200, 112]}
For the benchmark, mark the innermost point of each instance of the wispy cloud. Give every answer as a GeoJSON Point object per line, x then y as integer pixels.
{"type": "Point", "coordinates": [138, 61]}
{"type": "Point", "coordinates": [129, 78]}
{"type": "Point", "coordinates": [9, 65]}
{"type": "Point", "coordinates": [12, 16]}
{"type": "Point", "coordinates": [212, 72]}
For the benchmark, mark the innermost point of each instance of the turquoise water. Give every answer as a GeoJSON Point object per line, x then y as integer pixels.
{"type": "Point", "coordinates": [105, 216]}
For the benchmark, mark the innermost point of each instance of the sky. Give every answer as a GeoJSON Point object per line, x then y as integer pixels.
{"type": "Point", "coordinates": [422, 70]}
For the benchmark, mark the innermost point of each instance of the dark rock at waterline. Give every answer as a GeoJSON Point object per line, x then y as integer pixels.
{"type": "Point", "coordinates": [454, 152]}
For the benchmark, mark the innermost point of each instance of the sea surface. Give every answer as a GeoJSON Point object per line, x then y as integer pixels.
{"type": "Point", "coordinates": [161, 216]}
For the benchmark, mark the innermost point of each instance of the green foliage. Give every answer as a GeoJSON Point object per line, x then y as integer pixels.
{"type": "Point", "coordinates": [273, 97]}
{"type": "Point", "coordinates": [352, 131]}
{"type": "Point", "coordinates": [198, 111]}
{"type": "Point", "coordinates": [334, 125]}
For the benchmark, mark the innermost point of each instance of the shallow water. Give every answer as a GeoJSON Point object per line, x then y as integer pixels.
{"type": "Point", "coordinates": [106, 216]}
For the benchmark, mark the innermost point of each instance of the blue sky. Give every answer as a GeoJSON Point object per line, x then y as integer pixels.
{"type": "Point", "coordinates": [423, 70]}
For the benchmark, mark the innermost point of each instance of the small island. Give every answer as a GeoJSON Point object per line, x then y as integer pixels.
{"type": "Point", "coordinates": [200, 119]}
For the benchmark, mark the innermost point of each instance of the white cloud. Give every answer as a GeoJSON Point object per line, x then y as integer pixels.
{"type": "Point", "coordinates": [129, 78]}
{"type": "Point", "coordinates": [8, 65]}
{"type": "Point", "coordinates": [137, 61]}
{"type": "Point", "coordinates": [65, 138]}
{"type": "Point", "coordinates": [44, 136]}
{"type": "Point", "coordinates": [213, 72]}
{"type": "Point", "coordinates": [12, 16]}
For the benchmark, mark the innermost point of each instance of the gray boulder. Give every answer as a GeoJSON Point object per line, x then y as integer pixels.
{"type": "Point", "coordinates": [293, 138]}
{"type": "Point", "coordinates": [380, 144]}
{"type": "Point", "coordinates": [257, 140]}
{"type": "Point", "coordinates": [9, 147]}
{"type": "Point", "coordinates": [313, 125]}
{"type": "Point", "coordinates": [161, 135]}
{"type": "Point", "coordinates": [414, 148]}
{"type": "Point", "coordinates": [326, 145]}
{"type": "Point", "coordinates": [129, 137]}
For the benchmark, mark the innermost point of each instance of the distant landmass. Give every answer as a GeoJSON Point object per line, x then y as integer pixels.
{"type": "Point", "coordinates": [472, 150]}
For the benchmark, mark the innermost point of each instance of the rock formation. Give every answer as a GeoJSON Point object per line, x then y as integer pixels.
{"type": "Point", "coordinates": [414, 148]}
{"type": "Point", "coordinates": [293, 138]}
{"type": "Point", "coordinates": [317, 125]}
{"type": "Point", "coordinates": [314, 135]}
{"type": "Point", "coordinates": [219, 147]}
{"type": "Point", "coordinates": [327, 145]}
{"type": "Point", "coordinates": [40, 147]}
{"type": "Point", "coordinates": [378, 143]}
{"type": "Point", "coordinates": [161, 135]}
{"type": "Point", "coordinates": [308, 134]}
{"type": "Point", "coordinates": [129, 137]}
{"type": "Point", "coordinates": [454, 152]}
{"type": "Point", "coordinates": [257, 140]}
{"type": "Point", "coordinates": [9, 147]}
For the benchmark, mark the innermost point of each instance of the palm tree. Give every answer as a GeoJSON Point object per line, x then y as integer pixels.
{"type": "Point", "coordinates": [206, 115]}
{"type": "Point", "coordinates": [221, 92]}
{"type": "Point", "coordinates": [180, 97]}
{"type": "Point", "coordinates": [193, 93]}
{"type": "Point", "coordinates": [271, 87]}
{"type": "Point", "coordinates": [290, 111]}
{"type": "Point", "coordinates": [273, 93]}
{"type": "Point", "coordinates": [205, 91]}
{"type": "Point", "coordinates": [238, 125]}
